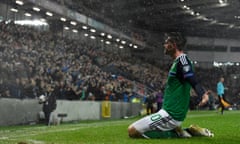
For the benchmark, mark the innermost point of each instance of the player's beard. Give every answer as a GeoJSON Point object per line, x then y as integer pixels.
{"type": "Point", "coordinates": [170, 50]}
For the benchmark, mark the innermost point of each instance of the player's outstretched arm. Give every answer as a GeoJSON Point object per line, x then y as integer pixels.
{"type": "Point", "coordinates": [201, 92]}
{"type": "Point", "coordinates": [205, 99]}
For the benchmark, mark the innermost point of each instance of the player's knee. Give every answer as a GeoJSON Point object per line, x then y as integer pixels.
{"type": "Point", "coordinates": [132, 132]}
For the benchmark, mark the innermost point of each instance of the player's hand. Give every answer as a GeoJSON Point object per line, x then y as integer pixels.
{"type": "Point", "coordinates": [205, 98]}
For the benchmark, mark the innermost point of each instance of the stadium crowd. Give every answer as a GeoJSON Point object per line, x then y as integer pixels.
{"type": "Point", "coordinates": [33, 60]}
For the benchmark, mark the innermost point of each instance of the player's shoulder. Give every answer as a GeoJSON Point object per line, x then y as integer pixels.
{"type": "Point", "coordinates": [183, 59]}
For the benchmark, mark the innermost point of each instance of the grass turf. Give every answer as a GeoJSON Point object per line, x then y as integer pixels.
{"type": "Point", "coordinates": [225, 127]}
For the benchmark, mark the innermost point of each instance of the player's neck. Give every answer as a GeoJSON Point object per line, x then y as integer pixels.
{"type": "Point", "coordinates": [177, 54]}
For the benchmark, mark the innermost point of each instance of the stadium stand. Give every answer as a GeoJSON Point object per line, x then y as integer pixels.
{"type": "Point", "coordinates": [32, 59]}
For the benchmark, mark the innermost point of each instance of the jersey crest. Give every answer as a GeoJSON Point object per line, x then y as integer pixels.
{"type": "Point", "coordinates": [186, 68]}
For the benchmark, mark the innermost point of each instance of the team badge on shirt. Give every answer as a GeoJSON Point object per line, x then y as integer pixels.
{"type": "Point", "coordinates": [186, 68]}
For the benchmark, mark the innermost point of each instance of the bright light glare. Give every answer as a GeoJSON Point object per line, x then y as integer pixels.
{"type": "Point", "coordinates": [219, 64]}
{"type": "Point", "coordinates": [31, 22]}
{"type": "Point", "coordinates": [109, 36]}
{"type": "Point", "coordinates": [75, 31]}
{"type": "Point", "coordinates": [223, 2]}
{"type": "Point", "coordinates": [108, 42]}
{"type": "Point", "coordinates": [36, 9]}
{"type": "Point", "coordinates": [19, 2]}
{"type": "Point", "coordinates": [63, 19]}
{"type": "Point", "coordinates": [92, 30]}
{"type": "Point", "coordinates": [43, 19]}
{"type": "Point", "coordinates": [135, 46]}
{"type": "Point", "coordinates": [73, 23]}
{"type": "Point", "coordinates": [66, 28]}
{"type": "Point", "coordinates": [27, 14]}
{"type": "Point", "coordinates": [14, 10]}
{"type": "Point", "coordinates": [123, 42]}
{"type": "Point", "coordinates": [92, 37]}
{"type": "Point", "coordinates": [49, 14]}
{"type": "Point", "coordinates": [85, 27]}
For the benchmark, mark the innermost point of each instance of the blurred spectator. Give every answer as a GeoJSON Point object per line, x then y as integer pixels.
{"type": "Point", "coordinates": [150, 100]}
{"type": "Point", "coordinates": [159, 99]}
{"type": "Point", "coordinates": [50, 104]}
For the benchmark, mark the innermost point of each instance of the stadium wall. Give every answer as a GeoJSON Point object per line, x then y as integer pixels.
{"type": "Point", "coordinates": [16, 111]}
{"type": "Point", "coordinates": [26, 111]}
{"type": "Point", "coordinates": [213, 53]}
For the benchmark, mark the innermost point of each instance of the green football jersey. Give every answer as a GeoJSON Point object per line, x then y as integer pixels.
{"type": "Point", "coordinates": [177, 90]}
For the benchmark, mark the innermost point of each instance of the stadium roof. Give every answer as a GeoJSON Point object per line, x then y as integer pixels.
{"type": "Point", "coordinates": [149, 19]}
{"type": "Point", "coordinates": [204, 18]}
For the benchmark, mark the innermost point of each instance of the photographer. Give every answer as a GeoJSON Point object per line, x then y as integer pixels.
{"type": "Point", "coordinates": [49, 103]}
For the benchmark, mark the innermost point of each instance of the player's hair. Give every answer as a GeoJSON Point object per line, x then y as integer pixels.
{"type": "Point", "coordinates": [177, 38]}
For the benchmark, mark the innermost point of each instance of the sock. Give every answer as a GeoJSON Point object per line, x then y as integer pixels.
{"type": "Point", "coordinates": [160, 134]}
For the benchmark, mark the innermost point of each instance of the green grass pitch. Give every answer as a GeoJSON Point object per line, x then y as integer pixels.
{"type": "Point", "coordinates": [226, 128]}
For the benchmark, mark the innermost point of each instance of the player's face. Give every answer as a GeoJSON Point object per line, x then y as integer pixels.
{"type": "Point", "coordinates": [169, 48]}
{"type": "Point", "coordinates": [222, 79]}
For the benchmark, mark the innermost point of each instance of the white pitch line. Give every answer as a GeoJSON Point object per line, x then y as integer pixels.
{"type": "Point", "coordinates": [76, 127]}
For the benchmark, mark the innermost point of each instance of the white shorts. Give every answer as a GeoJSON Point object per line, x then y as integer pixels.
{"type": "Point", "coordinates": [158, 121]}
